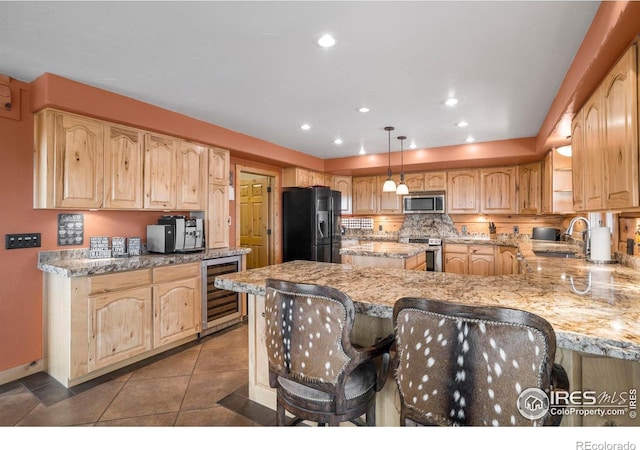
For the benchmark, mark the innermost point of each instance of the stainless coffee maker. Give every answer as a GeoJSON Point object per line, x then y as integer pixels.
{"type": "Point", "coordinates": [188, 235]}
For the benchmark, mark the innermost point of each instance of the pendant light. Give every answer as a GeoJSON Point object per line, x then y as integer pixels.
{"type": "Point", "coordinates": [389, 185]}
{"type": "Point", "coordinates": [403, 189]}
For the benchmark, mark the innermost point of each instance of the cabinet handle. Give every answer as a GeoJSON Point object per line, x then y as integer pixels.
{"type": "Point", "coordinates": [262, 314]}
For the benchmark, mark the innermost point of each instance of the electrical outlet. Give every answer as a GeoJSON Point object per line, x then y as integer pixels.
{"type": "Point", "coordinates": [26, 240]}
{"type": "Point", "coordinates": [630, 246]}
{"type": "Point", "coordinates": [379, 227]}
{"type": "Point", "coordinates": [516, 229]}
{"type": "Point", "coordinates": [464, 229]}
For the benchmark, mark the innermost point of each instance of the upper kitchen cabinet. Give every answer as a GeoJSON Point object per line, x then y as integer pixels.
{"type": "Point", "coordinates": [557, 186]}
{"type": "Point", "coordinates": [577, 164]}
{"type": "Point", "coordinates": [123, 167]}
{"type": "Point", "coordinates": [68, 161]}
{"type": "Point", "coordinates": [160, 172]}
{"type": "Point", "coordinates": [191, 176]}
{"type": "Point", "coordinates": [296, 177]}
{"type": "Point", "coordinates": [594, 171]}
{"type": "Point", "coordinates": [435, 181]}
{"type": "Point", "coordinates": [463, 191]}
{"type": "Point", "coordinates": [365, 194]}
{"type": "Point", "coordinates": [529, 188]}
{"type": "Point", "coordinates": [388, 202]}
{"type": "Point", "coordinates": [217, 234]}
{"type": "Point", "coordinates": [414, 182]}
{"type": "Point", "coordinates": [620, 132]}
{"type": "Point", "coordinates": [343, 185]}
{"type": "Point", "coordinates": [498, 194]}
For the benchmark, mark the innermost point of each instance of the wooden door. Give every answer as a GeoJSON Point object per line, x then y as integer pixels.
{"type": "Point", "coordinates": [254, 220]}
{"type": "Point", "coordinates": [160, 172]}
{"type": "Point", "coordinates": [462, 192]}
{"type": "Point", "coordinates": [176, 310]}
{"type": "Point", "coordinates": [620, 133]}
{"type": "Point", "coordinates": [364, 195]}
{"type": "Point", "coordinates": [593, 154]}
{"type": "Point", "coordinates": [530, 189]}
{"type": "Point", "coordinates": [79, 149]}
{"type": "Point", "coordinates": [498, 190]}
{"type": "Point", "coordinates": [123, 168]}
{"type": "Point", "coordinates": [119, 326]}
{"type": "Point", "coordinates": [191, 178]}
{"type": "Point", "coordinates": [343, 185]}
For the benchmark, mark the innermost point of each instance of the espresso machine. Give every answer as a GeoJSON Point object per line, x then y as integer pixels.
{"type": "Point", "coordinates": [176, 234]}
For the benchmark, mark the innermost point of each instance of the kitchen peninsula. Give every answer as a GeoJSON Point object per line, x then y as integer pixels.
{"type": "Point", "coordinates": [593, 308]}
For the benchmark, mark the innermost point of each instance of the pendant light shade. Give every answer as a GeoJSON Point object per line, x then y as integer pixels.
{"type": "Point", "coordinates": [389, 185]}
{"type": "Point", "coordinates": [402, 189]}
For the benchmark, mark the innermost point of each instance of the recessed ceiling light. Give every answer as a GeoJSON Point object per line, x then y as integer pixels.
{"type": "Point", "coordinates": [326, 41]}
{"type": "Point", "coordinates": [362, 152]}
{"type": "Point", "coordinates": [470, 139]}
{"type": "Point", "coordinates": [305, 126]}
{"type": "Point", "coordinates": [364, 109]}
{"type": "Point", "coordinates": [337, 141]}
{"type": "Point", "coordinates": [413, 145]}
{"type": "Point", "coordinates": [462, 124]}
{"type": "Point", "coordinates": [451, 101]}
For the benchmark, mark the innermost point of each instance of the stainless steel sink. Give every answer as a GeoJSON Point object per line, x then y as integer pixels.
{"type": "Point", "coordinates": [557, 254]}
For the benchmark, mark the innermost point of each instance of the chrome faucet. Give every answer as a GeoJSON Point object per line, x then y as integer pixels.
{"type": "Point", "coordinates": [586, 234]}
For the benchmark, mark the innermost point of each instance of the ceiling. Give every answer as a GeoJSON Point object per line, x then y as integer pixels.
{"type": "Point", "coordinates": [255, 67]}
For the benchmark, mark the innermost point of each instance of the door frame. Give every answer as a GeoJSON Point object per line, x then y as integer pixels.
{"type": "Point", "coordinates": [275, 252]}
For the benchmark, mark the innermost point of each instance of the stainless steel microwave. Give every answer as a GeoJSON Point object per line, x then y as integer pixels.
{"type": "Point", "coordinates": [423, 203]}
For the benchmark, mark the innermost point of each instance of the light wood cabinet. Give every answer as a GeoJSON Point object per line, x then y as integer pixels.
{"type": "Point", "coordinates": [480, 259]}
{"type": "Point", "coordinates": [463, 191]}
{"type": "Point", "coordinates": [217, 235]}
{"type": "Point", "coordinates": [68, 161]}
{"type": "Point", "coordinates": [413, 262]}
{"type": "Point", "coordinates": [343, 185]}
{"type": "Point", "coordinates": [529, 190]}
{"type": "Point", "coordinates": [365, 195]}
{"type": "Point", "coordinates": [176, 303]}
{"type": "Point", "coordinates": [620, 132]}
{"type": "Point", "coordinates": [507, 260]}
{"type": "Point", "coordinates": [593, 153]}
{"type": "Point", "coordinates": [435, 181]}
{"type": "Point", "coordinates": [191, 179]}
{"type": "Point", "coordinates": [456, 258]}
{"type": "Point", "coordinates": [160, 172]}
{"type": "Point", "coordinates": [498, 191]}
{"type": "Point", "coordinates": [578, 154]}
{"type": "Point", "coordinates": [97, 324]}
{"type": "Point", "coordinates": [123, 167]}
{"type": "Point", "coordinates": [414, 182]}
{"type": "Point", "coordinates": [557, 184]}
{"type": "Point", "coordinates": [388, 202]}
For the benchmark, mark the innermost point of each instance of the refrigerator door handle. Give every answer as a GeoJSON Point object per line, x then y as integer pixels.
{"type": "Point", "coordinates": [320, 230]}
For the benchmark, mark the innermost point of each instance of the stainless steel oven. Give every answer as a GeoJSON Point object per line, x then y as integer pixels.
{"type": "Point", "coordinates": [220, 308]}
{"type": "Point", "coordinates": [434, 252]}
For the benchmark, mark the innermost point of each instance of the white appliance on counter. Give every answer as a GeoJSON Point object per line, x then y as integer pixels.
{"type": "Point", "coordinates": [434, 252]}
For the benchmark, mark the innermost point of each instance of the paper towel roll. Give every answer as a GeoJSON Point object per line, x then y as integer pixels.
{"type": "Point", "coordinates": [600, 244]}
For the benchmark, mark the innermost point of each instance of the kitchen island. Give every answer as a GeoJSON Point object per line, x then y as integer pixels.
{"type": "Point", "coordinates": [594, 309]}
{"type": "Point", "coordinates": [386, 254]}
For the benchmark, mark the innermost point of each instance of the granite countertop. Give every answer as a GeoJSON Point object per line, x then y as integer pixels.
{"type": "Point", "coordinates": [594, 308]}
{"type": "Point", "coordinates": [384, 249]}
{"type": "Point", "coordinates": [74, 263]}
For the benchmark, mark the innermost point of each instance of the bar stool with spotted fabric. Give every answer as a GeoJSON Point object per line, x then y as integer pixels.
{"type": "Point", "coordinates": [473, 365]}
{"type": "Point", "coordinates": [319, 375]}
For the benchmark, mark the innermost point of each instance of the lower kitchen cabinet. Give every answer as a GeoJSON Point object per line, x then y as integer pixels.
{"type": "Point", "coordinates": [97, 324]}
{"type": "Point", "coordinates": [480, 259]}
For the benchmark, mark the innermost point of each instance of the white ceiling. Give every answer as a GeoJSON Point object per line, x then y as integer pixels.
{"type": "Point", "coordinates": [254, 67]}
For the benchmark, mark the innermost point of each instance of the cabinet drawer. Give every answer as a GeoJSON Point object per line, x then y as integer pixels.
{"type": "Point", "coordinates": [481, 249]}
{"type": "Point", "coordinates": [178, 272]}
{"type": "Point", "coordinates": [455, 248]}
{"type": "Point", "coordinates": [119, 281]}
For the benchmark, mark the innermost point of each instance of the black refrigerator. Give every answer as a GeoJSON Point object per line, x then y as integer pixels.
{"type": "Point", "coordinates": [311, 224]}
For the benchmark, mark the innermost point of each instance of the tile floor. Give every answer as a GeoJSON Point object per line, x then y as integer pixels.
{"type": "Point", "coordinates": [203, 383]}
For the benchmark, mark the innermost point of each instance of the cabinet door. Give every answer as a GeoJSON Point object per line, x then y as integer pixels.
{"type": "Point", "coordinates": [482, 265]}
{"type": "Point", "coordinates": [530, 188]}
{"type": "Point", "coordinates": [316, 179]}
{"type": "Point", "coordinates": [295, 177]}
{"type": "Point", "coordinates": [217, 215]}
{"type": "Point", "coordinates": [123, 168]}
{"type": "Point", "coordinates": [435, 181]}
{"type": "Point", "coordinates": [343, 185]}
{"type": "Point", "coordinates": [456, 263]}
{"type": "Point", "coordinates": [506, 261]}
{"type": "Point", "coordinates": [191, 177]}
{"type": "Point", "coordinates": [414, 182]}
{"type": "Point", "coordinates": [578, 154]}
{"type": "Point", "coordinates": [389, 202]}
{"type": "Point", "coordinates": [498, 190]}
{"type": "Point", "coordinates": [218, 166]}
{"type": "Point", "coordinates": [593, 153]}
{"type": "Point", "coordinates": [79, 149]}
{"type": "Point", "coordinates": [364, 195]}
{"type": "Point", "coordinates": [119, 326]}
{"type": "Point", "coordinates": [462, 192]}
{"type": "Point", "coordinates": [620, 133]}
{"type": "Point", "coordinates": [547, 184]}
{"type": "Point", "coordinates": [160, 172]}
{"type": "Point", "coordinates": [176, 310]}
